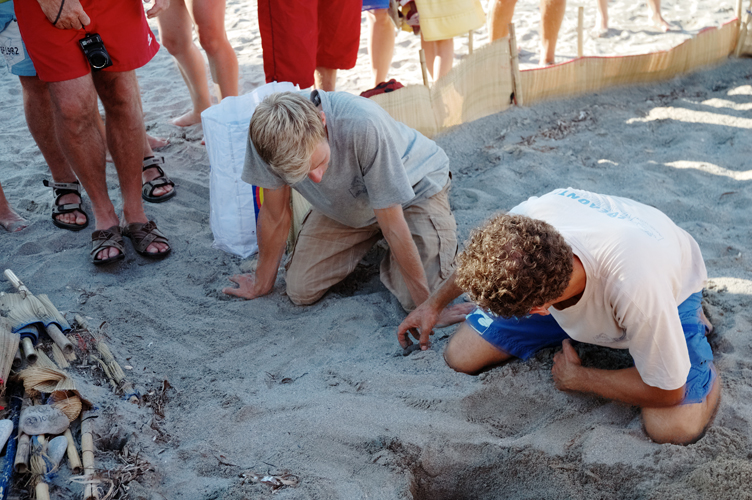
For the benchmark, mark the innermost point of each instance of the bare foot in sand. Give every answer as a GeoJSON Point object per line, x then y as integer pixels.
{"type": "Point", "coordinates": [661, 23]}
{"type": "Point", "coordinates": [11, 221]}
{"type": "Point", "coordinates": [188, 119]}
{"type": "Point", "coordinates": [156, 142]}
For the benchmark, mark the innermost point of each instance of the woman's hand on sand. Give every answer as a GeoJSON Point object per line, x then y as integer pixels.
{"type": "Point", "coordinates": [72, 17]}
{"type": "Point", "coordinates": [566, 368]}
{"type": "Point", "coordinates": [159, 7]}
{"type": "Point", "coordinates": [246, 287]}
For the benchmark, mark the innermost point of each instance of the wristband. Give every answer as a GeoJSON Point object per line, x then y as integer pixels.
{"type": "Point", "coordinates": [59, 12]}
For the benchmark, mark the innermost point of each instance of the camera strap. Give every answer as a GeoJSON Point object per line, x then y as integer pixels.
{"type": "Point", "coordinates": [59, 12]}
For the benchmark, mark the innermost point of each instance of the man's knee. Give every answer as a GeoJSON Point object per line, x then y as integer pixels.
{"type": "Point", "coordinates": [673, 431]}
{"type": "Point", "coordinates": [300, 294]}
{"type": "Point", "coordinates": [458, 360]}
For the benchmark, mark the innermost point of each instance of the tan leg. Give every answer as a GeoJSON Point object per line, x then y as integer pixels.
{"type": "Point", "coordinates": [683, 424]}
{"type": "Point", "coordinates": [325, 253]}
{"type": "Point", "coordinates": [209, 16]}
{"type": "Point", "coordinates": [325, 78]}
{"type": "Point", "coordinates": [552, 15]}
{"type": "Point", "coordinates": [176, 34]}
{"type": "Point", "coordinates": [468, 352]}
{"type": "Point", "coordinates": [380, 43]}
{"type": "Point", "coordinates": [499, 17]}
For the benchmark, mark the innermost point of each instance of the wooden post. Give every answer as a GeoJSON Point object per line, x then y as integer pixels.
{"type": "Point", "coordinates": [739, 10]}
{"type": "Point", "coordinates": [515, 59]}
{"type": "Point", "coordinates": [21, 462]}
{"type": "Point", "coordinates": [423, 68]}
{"type": "Point", "coordinates": [580, 20]}
{"type": "Point", "coordinates": [73, 460]}
{"type": "Point", "coordinates": [87, 454]}
{"type": "Point", "coordinates": [742, 36]}
{"type": "Point", "coordinates": [470, 42]}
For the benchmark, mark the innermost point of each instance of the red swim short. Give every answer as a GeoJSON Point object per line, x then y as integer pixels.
{"type": "Point", "coordinates": [56, 54]}
{"type": "Point", "coordinates": [297, 36]}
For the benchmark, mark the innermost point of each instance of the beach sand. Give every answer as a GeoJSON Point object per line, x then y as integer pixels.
{"type": "Point", "coordinates": [324, 392]}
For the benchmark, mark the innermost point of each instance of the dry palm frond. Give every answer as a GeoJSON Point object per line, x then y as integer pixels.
{"type": "Point", "coordinates": [46, 379]}
{"type": "Point", "coordinates": [43, 360]}
{"type": "Point", "coordinates": [68, 402]}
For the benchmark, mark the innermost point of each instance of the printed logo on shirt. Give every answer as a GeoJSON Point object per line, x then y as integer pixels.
{"type": "Point", "coordinates": [614, 214]}
{"type": "Point", "coordinates": [148, 39]}
{"type": "Point", "coordinates": [357, 187]}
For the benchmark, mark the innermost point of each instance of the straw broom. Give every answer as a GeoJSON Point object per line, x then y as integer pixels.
{"type": "Point", "coordinates": [51, 314]}
{"type": "Point", "coordinates": [22, 315]}
{"type": "Point", "coordinates": [38, 467]}
{"type": "Point", "coordinates": [8, 348]}
{"type": "Point", "coordinates": [6, 472]}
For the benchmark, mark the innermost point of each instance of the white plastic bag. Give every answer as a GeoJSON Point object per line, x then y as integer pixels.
{"type": "Point", "coordinates": [233, 203]}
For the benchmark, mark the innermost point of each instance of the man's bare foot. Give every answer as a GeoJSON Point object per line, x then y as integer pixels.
{"type": "Point", "coordinates": [76, 217]}
{"type": "Point", "coordinates": [705, 321]}
{"type": "Point", "coordinates": [156, 142]}
{"type": "Point", "coordinates": [188, 119]}
{"type": "Point", "coordinates": [11, 221]}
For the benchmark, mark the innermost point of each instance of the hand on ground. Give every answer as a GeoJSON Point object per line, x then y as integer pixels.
{"type": "Point", "coordinates": [246, 287]}
{"type": "Point", "coordinates": [566, 367]}
{"type": "Point", "coordinates": [455, 314]}
{"type": "Point", "coordinates": [72, 16]}
{"type": "Point", "coordinates": [419, 324]}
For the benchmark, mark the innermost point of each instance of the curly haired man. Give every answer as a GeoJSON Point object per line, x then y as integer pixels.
{"type": "Point", "coordinates": [574, 265]}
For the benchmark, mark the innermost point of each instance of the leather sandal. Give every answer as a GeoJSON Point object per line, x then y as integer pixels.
{"type": "Point", "coordinates": [142, 235]}
{"type": "Point", "coordinates": [60, 189]}
{"type": "Point", "coordinates": [102, 239]}
{"type": "Point", "coordinates": [148, 187]}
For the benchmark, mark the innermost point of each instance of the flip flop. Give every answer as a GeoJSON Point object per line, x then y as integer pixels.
{"type": "Point", "coordinates": [142, 235]}
{"type": "Point", "coordinates": [148, 187]}
{"type": "Point", "coordinates": [60, 189]}
{"type": "Point", "coordinates": [105, 238]}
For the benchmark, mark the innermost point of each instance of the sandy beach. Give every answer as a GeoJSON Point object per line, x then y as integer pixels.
{"type": "Point", "coordinates": [324, 392]}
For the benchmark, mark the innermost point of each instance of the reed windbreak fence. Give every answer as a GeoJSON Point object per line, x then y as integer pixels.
{"type": "Point", "coordinates": [485, 82]}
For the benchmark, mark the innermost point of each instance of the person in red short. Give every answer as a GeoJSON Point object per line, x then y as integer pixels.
{"type": "Point", "coordinates": [303, 37]}
{"type": "Point", "coordinates": [52, 30]}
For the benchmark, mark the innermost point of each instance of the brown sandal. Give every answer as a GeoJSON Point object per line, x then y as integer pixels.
{"type": "Point", "coordinates": [105, 238]}
{"type": "Point", "coordinates": [142, 235]}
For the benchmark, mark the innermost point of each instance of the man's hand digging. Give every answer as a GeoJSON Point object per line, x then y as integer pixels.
{"type": "Point", "coordinates": [246, 287]}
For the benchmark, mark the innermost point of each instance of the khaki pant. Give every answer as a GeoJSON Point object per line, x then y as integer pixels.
{"type": "Point", "coordinates": [327, 251]}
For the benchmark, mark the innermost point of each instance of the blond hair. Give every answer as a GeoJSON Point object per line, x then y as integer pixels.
{"type": "Point", "coordinates": [285, 129]}
{"type": "Point", "coordinates": [514, 263]}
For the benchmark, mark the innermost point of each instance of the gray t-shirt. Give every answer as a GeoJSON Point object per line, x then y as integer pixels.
{"type": "Point", "coordinates": [376, 162]}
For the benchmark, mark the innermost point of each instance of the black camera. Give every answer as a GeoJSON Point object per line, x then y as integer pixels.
{"type": "Point", "coordinates": [94, 50]}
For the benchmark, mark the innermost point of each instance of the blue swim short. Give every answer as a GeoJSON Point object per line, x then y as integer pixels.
{"type": "Point", "coordinates": [12, 47]}
{"type": "Point", "coordinates": [523, 337]}
{"type": "Point", "coordinates": [375, 4]}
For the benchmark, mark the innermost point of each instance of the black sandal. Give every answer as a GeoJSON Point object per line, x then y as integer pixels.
{"type": "Point", "coordinates": [60, 189]}
{"type": "Point", "coordinates": [148, 187]}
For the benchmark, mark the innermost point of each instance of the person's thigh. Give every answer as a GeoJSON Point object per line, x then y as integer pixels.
{"type": "Point", "coordinates": [468, 352]}
{"type": "Point", "coordinates": [74, 101]}
{"type": "Point", "coordinates": [325, 253]}
{"type": "Point", "coordinates": [175, 27]}
{"type": "Point", "coordinates": [209, 16]}
{"type": "Point", "coordinates": [117, 88]}
{"type": "Point", "coordinates": [682, 424]}
{"type": "Point", "coordinates": [434, 233]}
